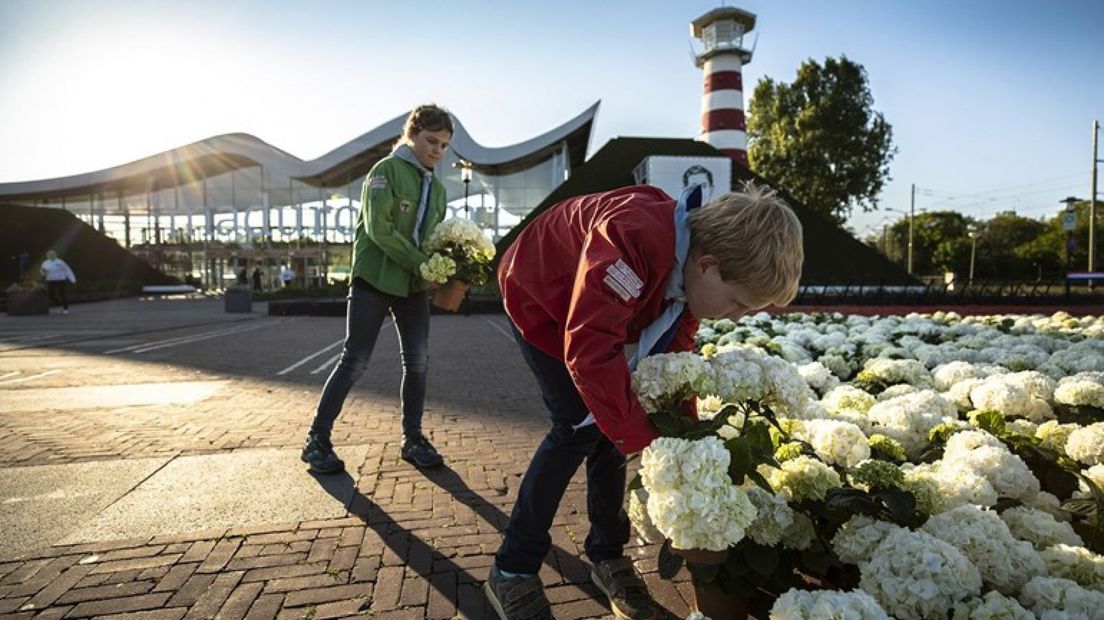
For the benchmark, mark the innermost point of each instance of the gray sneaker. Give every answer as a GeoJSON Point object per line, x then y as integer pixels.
{"type": "Point", "coordinates": [627, 594]}
{"type": "Point", "coordinates": [319, 454]}
{"type": "Point", "coordinates": [517, 598]}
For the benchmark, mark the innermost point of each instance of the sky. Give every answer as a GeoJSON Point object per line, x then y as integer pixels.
{"type": "Point", "coordinates": [991, 102]}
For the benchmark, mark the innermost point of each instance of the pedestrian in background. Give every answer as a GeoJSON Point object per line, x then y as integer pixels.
{"type": "Point", "coordinates": [57, 274]}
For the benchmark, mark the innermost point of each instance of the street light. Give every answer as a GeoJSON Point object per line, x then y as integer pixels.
{"type": "Point", "coordinates": [911, 213]}
{"type": "Point", "coordinates": [466, 177]}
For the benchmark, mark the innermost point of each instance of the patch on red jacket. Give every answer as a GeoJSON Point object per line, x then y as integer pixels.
{"type": "Point", "coordinates": [623, 280]}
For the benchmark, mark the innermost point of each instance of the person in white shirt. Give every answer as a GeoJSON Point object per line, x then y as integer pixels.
{"type": "Point", "coordinates": [288, 275]}
{"type": "Point", "coordinates": [57, 274]}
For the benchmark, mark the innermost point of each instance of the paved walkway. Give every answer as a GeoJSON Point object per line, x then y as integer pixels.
{"type": "Point", "coordinates": [149, 455]}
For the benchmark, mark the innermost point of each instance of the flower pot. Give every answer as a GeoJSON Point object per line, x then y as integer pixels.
{"type": "Point", "coordinates": [449, 296]}
{"type": "Point", "coordinates": [25, 302]}
{"type": "Point", "coordinates": [710, 600]}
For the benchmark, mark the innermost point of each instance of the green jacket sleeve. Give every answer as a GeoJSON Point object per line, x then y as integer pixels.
{"type": "Point", "coordinates": [378, 202]}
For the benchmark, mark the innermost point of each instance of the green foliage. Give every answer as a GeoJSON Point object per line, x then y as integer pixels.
{"type": "Point", "coordinates": [820, 138]}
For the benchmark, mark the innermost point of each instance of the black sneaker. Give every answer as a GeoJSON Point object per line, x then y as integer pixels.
{"type": "Point", "coordinates": [420, 452]}
{"type": "Point", "coordinates": [628, 596]}
{"type": "Point", "coordinates": [517, 598]}
{"type": "Point", "coordinates": [319, 453]}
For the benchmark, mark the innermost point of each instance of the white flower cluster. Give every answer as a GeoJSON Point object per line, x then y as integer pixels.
{"type": "Point", "coordinates": [1005, 563]}
{"type": "Point", "coordinates": [1020, 394]}
{"type": "Point", "coordinates": [463, 233]}
{"type": "Point", "coordinates": [664, 380]}
{"type": "Point", "coordinates": [908, 418]}
{"type": "Point", "coordinates": [1086, 444]}
{"type": "Point", "coordinates": [1054, 435]}
{"type": "Point", "coordinates": [835, 441]}
{"type": "Point", "coordinates": [1083, 388]}
{"type": "Point", "coordinates": [802, 478]}
{"type": "Point", "coordinates": [890, 371]}
{"type": "Point", "coordinates": [915, 576]}
{"type": "Point", "coordinates": [797, 604]}
{"type": "Point", "coordinates": [992, 606]}
{"type": "Point", "coordinates": [818, 376]}
{"type": "Point", "coordinates": [691, 499]}
{"type": "Point", "coordinates": [1039, 528]}
{"type": "Point", "coordinates": [857, 539]}
{"type": "Point", "coordinates": [438, 269]}
{"type": "Point", "coordinates": [985, 455]}
{"type": "Point", "coordinates": [1061, 599]}
{"type": "Point", "coordinates": [1076, 564]}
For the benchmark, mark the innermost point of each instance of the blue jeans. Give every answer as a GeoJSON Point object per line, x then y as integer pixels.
{"type": "Point", "coordinates": [558, 457]}
{"type": "Point", "coordinates": [367, 309]}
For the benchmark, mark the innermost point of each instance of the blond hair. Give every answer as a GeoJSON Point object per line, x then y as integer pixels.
{"type": "Point", "coordinates": [757, 239]}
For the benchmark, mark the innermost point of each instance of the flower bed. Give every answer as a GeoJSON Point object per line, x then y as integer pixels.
{"type": "Point", "coordinates": [910, 467]}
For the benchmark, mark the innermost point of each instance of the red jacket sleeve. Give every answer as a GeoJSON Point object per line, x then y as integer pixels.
{"type": "Point", "coordinates": [602, 304]}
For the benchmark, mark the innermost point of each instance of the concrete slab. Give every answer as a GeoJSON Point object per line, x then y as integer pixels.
{"type": "Point", "coordinates": [109, 396]}
{"type": "Point", "coordinates": [249, 487]}
{"type": "Point", "coordinates": [39, 505]}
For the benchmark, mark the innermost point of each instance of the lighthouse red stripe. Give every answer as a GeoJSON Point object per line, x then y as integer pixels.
{"type": "Point", "coordinates": [724, 80]}
{"type": "Point", "coordinates": [739, 155]}
{"type": "Point", "coordinates": [723, 119]}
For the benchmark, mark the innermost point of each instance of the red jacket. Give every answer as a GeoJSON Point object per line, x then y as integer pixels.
{"type": "Point", "coordinates": [582, 281]}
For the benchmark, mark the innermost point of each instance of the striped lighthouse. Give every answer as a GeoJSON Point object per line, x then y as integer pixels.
{"type": "Point", "coordinates": [722, 58]}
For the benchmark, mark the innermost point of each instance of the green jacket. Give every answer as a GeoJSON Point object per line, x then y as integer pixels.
{"type": "Point", "coordinates": [385, 254]}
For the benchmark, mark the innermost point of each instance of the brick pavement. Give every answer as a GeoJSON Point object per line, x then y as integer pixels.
{"type": "Point", "coordinates": [410, 544]}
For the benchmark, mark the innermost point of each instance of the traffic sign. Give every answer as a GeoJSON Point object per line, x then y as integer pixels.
{"type": "Point", "coordinates": [1069, 220]}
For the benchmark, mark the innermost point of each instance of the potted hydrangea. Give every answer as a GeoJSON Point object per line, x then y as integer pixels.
{"type": "Point", "coordinates": [24, 298]}
{"type": "Point", "coordinates": [459, 257]}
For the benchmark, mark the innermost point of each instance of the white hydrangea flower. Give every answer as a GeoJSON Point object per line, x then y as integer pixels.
{"type": "Point", "coordinates": [1094, 473]}
{"type": "Point", "coordinates": [1054, 435]}
{"type": "Point", "coordinates": [1039, 528]}
{"type": "Point", "coordinates": [818, 376]}
{"type": "Point", "coordinates": [985, 455]}
{"type": "Point", "coordinates": [1076, 563]}
{"type": "Point", "coordinates": [1083, 388]}
{"type": "Point", "coordinates": [957, 486]}
{"type": "Point", "coordinates": [800, 534]}
{"type": "Point", "coordinates": [959, 393]}
{"type": "Point", "coordinates": [908, 418]}
{"type": "Point", "coordinates": [890, 371]}
{"type": "Point", "coordinates": [772, 516]}
{"type": "Point", "coordinates": [797, 604]}
{"type": "Point", "coordinates": [1047, 595]}
{"type": "Point", "coordinates": [638, 516]}
{"type": "Point", "coordinates": [946, 375]}
{"type": "Point", "coordinates": [857, 539]}
{"type": "Point", "coordinates": [665, 379]}
{"type": "Point", "coordinates": [836, 442]}
{"type": "Point", "coordinates": [993, 606]}
{"type": "Point", "coordinates": [802, 478]}
{"type": "Point", "coordinates": [848, 398]}
{"type": "Point", "coordinates": [894, 391]}
{"type": "Point", "coordinates": [691, 498]}
{"type": "Point", "coordinates": [709, 406]}
{"type": "Point", "coordinates": [438, 269]}
{"type": "Point", "coordinates": [915, 576]}
{"type": "Point", "coordinates": [1086, 444]}
{"type": "Point", "coordinates": [1005, 563]}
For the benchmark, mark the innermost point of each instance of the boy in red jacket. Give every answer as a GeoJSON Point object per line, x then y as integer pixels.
{"type": "Point", "coordinates": [585, 280]}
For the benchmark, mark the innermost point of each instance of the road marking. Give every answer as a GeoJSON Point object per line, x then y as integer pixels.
{"type": "Point", "coordinates": [309, 358]}
{"type": "Point", "coordinates": [10, 374]}
{"type": "Point", "coordinates": [326, 364]}
{"type": "Point", "coordinates": [39, 375]}
{"type": "Point", "coordinates": [208, 337]}
{"type": "Point", "coordinates": [156, 342]}
{"type": "Point", "coordinates": [502, 330]}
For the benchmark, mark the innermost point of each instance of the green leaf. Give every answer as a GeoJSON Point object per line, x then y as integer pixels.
{"type": "Point", "coordinates": [741, 463]}
{"type": "Point", "coordinates": [991, 421]}
{"type": "Point", "coordinates": [758, 479]}
{"type": "Point", "coordinates": [669, 425]}
{"type": "Point", "coordinates": [669, 562]}
{"type": "Point", "coordinates": [636, 483]}
{"type": "Point", "coordinates": [761, 559]}
{"type": "Point", "coordinates": [901, 505]}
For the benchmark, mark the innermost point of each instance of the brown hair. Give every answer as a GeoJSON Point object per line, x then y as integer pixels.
{"type": "Point", "coordinates": [757, 239]}
{"type": "Point", "coordinates": [427, 117]}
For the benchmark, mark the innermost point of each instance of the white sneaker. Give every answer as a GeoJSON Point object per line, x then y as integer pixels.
{"type": "Point", "coordinates": [64, 311]}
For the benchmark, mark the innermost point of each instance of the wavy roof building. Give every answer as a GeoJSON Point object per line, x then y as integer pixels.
{"type": "Point", "coordinates": [239, 188]}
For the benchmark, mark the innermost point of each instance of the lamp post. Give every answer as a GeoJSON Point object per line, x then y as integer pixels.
{"type": "Point", "coordinates": [1069, 222]}
{"type": "Point", "coordinates": [911, 213]}
{"type": "Point", "coordinates": [466, 177]}
{"type": "Point", "coordinates": [973, 233]}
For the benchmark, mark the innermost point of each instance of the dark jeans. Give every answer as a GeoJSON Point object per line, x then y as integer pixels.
{"type": "Point", "coordinates": [56, 289]}
{"type": "Point", "coordinates": [527, 540]}
{"type": "Point", "coordinates": [367, 309]}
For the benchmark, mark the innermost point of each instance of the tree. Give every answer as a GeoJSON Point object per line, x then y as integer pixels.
{"type": "Point", "coordinates": [941, 242]}
{"type": "Point", "coordinates": [820, 139]}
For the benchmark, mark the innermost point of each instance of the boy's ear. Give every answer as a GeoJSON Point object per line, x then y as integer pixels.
{"type": "Point", "coordinates": [704, 261]}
